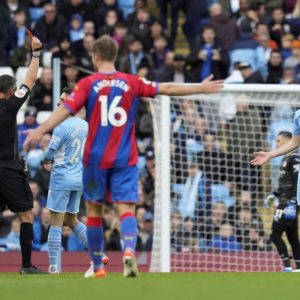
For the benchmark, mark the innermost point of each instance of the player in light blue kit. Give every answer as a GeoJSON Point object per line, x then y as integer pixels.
{"type": "Point", "coordinates": [65, 188]}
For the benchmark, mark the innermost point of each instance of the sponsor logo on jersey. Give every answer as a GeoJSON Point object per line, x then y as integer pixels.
{"type": "Point", "coordinates": [21, 92]}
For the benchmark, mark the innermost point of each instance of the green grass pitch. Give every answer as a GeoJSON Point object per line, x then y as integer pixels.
{"type": "Point", "coordinates": [173, 286]}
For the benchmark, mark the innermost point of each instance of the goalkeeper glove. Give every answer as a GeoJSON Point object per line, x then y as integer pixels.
{"type": "Point", "coordinates": [269, 200]}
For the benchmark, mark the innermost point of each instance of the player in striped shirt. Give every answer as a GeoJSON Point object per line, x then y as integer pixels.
{"type": "Point", "coordinates": [110, 156]}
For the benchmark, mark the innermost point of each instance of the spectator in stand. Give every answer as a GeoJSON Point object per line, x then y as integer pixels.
{"type": "Point", "coordinates": [140, 212]}
{"type": "Point", "coordinates": [212, 225]}
{"type": "Point", "coordinates": [288, 76]}
{"type": "Point", "coordinates": [35, 188]}
{"type": "Point", "coordinates": [134, 58]}
{"type": "Point", "coordinates": [111, 19]}
{"type": "Point", "coordinates": [250, 232]}
{"type": "Point", "coordinates": [126, 6]}
{"type": "Point", "coordinates": [245, 47]}
{"type": "Point", "coordinates": [64, 48]}
{"type": "Point", "coordinates": [176, 232]}
{"type": "Point", "coordinates": [141, 28]}
{"type": "Point", "coordinates": [246, 125]}
{"type": "Point", "coordinates": [84, 55]}
{"type": "Point", "coordinates": [225, 28]}
{"type": "Point", "coordinates": [6, 217]}
{"type": "Point", "coordinates": [279, 26]}
{"type": "Point", "coordinates": [157, 31]}
{"type": "Point", "coordinates": [190, 236]}
{"type": "Point", "coordinates": [36, 10]}
{"type": "Point", "coordinates": [264, 53]}
{"type": "Point", "coordinates": [225, 240]}
{"type": "Point", "coordinates": [35, 156]}
{"type": "Point", "coordinates": [89, 28]}
{"type": "Point", "coordinates": [50, 28]}
{"type": "Point", "coordinates": [9, 8]}
{"type": "Point", "coordinates": [41, 96]}
{"type": "Point", "coordinates": [41, 229]}
{"type": "Point", "coordinates": [249, 75]}
{"type": "Point", "coordinates": [215, 164]}
{"type": "Point", "coordinates": [246, 14]}
{"type": "Point", "coordinates": [42, 177]}
{"type": "Point", "coordinates": [176, 6]}
{"type": "Point", "coordinates": [147, 176]}
{"type": "Point", "coordinates": [195, 200]}
{"type": "Point", "coordinates": [132, 17]}
{"type": "Point", "coordinates": [209, 57]}
{"type": "Point", "coordinates": [175, 72]}
{"type": "Point", "coordinates": [21, 56]}
{"type": "Point", "coordinates": [29, 123]}
{"type": "Point", "coordinates": [16, 32]}
{"type": "Point", "coordinates": [275, 67]}
{"type": "Point", "coordinates": [294, 60]}
{"type": "Point", "coordinates": [70, 76]}
{"type": "Point", "coordinates": [12, 241]}
{"type": "Point", "coordinates": [158, 52]}
{"type": "Point", "coordinates": [196, 13]}
{"type": "Point", "coordinates": [70, 7]}
{"type": "Point", "coordinates": [76, 31]}
{"type": "Point", "coordinates": [111, 229]}
{"type": "Point", "coordinates": [295, 20]}
{"type": "Point", "coordinates": [286, 44]}
{"type": "Point", "coordinates": [120, 35]}
{"type": "Point", "coordinates": [262, 29]}
{"type": "Point", "coordinates": [103, 8]}
{"type": "Point", "coordinates": [145, 235]}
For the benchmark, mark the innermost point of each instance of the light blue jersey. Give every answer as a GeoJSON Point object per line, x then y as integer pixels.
{"type": "Point", "coordinates": [68, 141]}
{"type": "Point", "coordinates": [296, 131]}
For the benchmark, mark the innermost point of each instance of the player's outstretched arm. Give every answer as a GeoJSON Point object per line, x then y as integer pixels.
{"type": "Point", "coordinates": [207, 86]}
{"type": "Point", "coordinates": [34, 136]}
{"type": "Point", "coordinates": [33, 68]}
{"type": "Point", "coordinates": [263, 157]}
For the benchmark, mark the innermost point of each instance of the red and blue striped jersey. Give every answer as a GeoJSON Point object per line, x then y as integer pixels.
{"type": "Point", "coordinates": [111, 101]}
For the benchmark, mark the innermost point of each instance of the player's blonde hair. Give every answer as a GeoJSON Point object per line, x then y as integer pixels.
{"type": "Point", "coordinates": [106, 48]}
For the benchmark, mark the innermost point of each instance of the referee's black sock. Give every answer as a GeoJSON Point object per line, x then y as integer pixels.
{"type": "Point", "coordinates": [26, 237]}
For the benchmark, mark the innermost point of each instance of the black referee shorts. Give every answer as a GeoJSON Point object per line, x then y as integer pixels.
{"type": "Point", "coordinates": [15, 192]}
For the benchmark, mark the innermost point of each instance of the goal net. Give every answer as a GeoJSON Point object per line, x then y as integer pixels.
{"type": "Point", "coordinates": [209, 201]}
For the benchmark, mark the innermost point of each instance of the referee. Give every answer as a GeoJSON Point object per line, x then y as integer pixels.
{"type": "Point", "coordinates": [285, 218]}
{"type": "Point", "coordinates": [15, 192]}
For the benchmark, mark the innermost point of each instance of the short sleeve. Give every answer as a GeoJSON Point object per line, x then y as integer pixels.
{"type": "Point", "coordinates": [296, 125]}
{"type": "Point", "coordinates": [144, 87]}
{"type": "Point", "coordinates": [79, 95]}
{"type": "Point", "coordinates": [58, 137]}
{"type": "Point", "coordinates": [18, 98]}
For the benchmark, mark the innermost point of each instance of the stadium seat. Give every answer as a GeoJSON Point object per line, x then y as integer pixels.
{"type": "Point", "coordinates": [43, 116]}
{"type": "Point", "coordinates": [6, 70]}
{"type": "Point", "coordinates": [21, 73]}
{"type": "Point", "coordinates": [20, 117]}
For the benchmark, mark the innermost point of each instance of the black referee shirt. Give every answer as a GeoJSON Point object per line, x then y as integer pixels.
{"type": "Point", "coordinates": [8, 125]}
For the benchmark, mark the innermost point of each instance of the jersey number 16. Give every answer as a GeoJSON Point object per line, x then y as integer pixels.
{"type": "Point", "coordinates": [109, 114]}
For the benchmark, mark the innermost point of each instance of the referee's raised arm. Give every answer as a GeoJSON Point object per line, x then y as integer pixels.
{"type": "Point", "coordinates": [33, 68]}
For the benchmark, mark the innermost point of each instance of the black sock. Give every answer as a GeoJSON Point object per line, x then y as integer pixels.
{"type": "Point", "coordinates": [26, 237]}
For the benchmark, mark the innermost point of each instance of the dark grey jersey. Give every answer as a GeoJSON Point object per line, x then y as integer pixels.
{"type": "Point", "coordinates": [288, 177]}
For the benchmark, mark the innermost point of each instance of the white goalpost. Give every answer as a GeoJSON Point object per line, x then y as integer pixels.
{"type": "Point", "coordinates": [209, 202]}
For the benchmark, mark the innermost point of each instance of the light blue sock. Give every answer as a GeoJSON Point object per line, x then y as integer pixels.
{"type": "Point", "coordinates": [54, 244]}
{"type": "Point", "coordinates": [80, 231]}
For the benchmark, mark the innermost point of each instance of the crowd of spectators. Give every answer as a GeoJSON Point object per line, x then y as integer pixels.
{"type": "Point", "coordinates": [244, 41]}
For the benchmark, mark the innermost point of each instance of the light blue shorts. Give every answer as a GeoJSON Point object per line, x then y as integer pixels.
{"type": "Point", "coordinates": [64, 201]}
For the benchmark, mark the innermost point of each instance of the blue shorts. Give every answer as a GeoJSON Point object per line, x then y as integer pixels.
{"type": "Point", "coordinates": [119, 185]}
{"type": "Point", "coordinates": [64, 201]}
